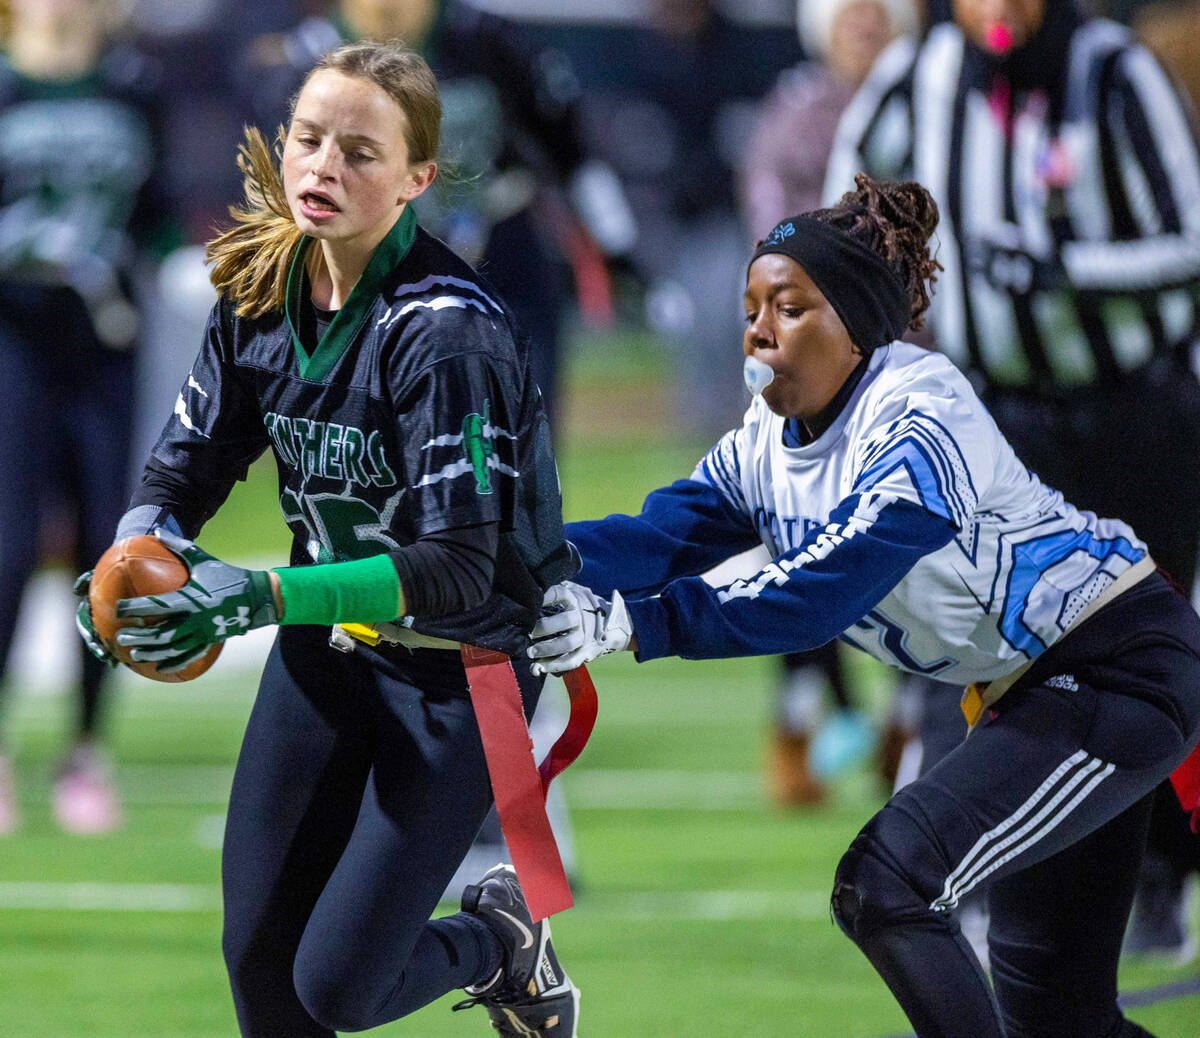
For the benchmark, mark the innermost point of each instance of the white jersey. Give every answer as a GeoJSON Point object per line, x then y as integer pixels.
{"type": "Point", "coordinates": [1021, 565]}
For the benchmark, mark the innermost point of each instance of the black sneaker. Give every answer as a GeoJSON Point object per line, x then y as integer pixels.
{"type": "Point", "coordinates": [530, 996]}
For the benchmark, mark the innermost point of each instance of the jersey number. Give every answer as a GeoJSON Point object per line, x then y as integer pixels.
{"type": "Point", "coordinates": [338, 528]}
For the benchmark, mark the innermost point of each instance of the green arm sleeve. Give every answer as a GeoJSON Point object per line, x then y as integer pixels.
{"type": "Point", "coordinates": [361, 591]}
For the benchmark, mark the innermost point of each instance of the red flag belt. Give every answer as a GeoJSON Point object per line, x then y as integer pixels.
{"type": "Point", "coordinates": [519, 785]}
{"type": "Point", "coordinates": [1186, 780]}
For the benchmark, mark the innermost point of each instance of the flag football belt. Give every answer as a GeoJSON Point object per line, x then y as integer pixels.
{"type": "Point", "coordinates": [977, 697]}
{"type": "Point", "coordinates": [518, 785]}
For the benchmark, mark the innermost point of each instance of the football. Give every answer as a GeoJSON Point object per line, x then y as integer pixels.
{"type": "Point", "coordinates": [132, 567]}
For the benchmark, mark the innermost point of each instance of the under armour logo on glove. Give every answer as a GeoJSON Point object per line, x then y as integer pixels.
{"type": "Point", "coordinates": [579, 626]}
{"type": "Point", "coordinates": [218, 601]}
{"type": "Point", "coordinates": [241, 620]}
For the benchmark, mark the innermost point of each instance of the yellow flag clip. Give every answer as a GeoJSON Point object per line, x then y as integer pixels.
{"type": "Point", "coordinates": [362, 632]}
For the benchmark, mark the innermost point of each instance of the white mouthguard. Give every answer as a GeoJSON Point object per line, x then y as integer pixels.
{"type": "Point", "coordinates": [757, 375]}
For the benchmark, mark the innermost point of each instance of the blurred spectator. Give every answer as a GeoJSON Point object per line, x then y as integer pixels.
{"type": "Point", "coordinates": [202, 122]}
{"type": "Point", "coordinates": [783, 172]}
{"type": "Point", "coordinates": [84, 205]}
{"type": "Point", "coordinates": [523, 198]}
{"type": "Point", "coordinates": [784, 166]}
{"type": "Point", "coordinates": [675, 124]}
{"type": "Point", "coordinates": [1066, 168]}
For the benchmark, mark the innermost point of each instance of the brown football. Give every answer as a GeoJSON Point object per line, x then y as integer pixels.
{"type": "Point", "coordinates": [132, 567]}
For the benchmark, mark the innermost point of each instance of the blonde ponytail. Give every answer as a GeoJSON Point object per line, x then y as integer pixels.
{"type": "Point", "coordinates": [250, 261]}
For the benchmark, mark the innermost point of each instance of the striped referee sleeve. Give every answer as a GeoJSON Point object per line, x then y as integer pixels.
{"type": "Point", "coordinates": [1157, 164]}
{"type": "Point", "coordinates": [875, 132]}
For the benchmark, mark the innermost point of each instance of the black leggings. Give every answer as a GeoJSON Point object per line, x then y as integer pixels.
{"type": "Point", "coordinates": [360, 786]}
{"type": "Point", "coordinates": [66, 414]}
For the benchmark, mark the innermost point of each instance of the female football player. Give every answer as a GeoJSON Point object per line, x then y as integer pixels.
{"type": "Point", "coordinates": [416, 474]}
{"type": "Point", "coordinates": [900, 519]}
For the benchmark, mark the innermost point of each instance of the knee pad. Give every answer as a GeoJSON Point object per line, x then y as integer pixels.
{"type": "Point", "coordinates": [870, 894]}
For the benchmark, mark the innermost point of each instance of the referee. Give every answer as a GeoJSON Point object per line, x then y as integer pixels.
{"type": "Point", "coordinates": [1066, 168]}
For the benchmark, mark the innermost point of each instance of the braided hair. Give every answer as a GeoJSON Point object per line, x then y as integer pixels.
{"type": "Point", "coordinates": [896, 220]}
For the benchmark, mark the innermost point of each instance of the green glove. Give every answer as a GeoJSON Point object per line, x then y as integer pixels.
{"type": "Point", "coordinates": [83, 621]}
{"type": "Point", "coordinates": [217, 602]}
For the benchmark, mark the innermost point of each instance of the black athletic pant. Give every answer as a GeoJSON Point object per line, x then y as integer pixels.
{"type": "Point", "coordinates": [534, 280]}
{"type": "Point", "coordinates": [1047, 804]}
{"type": "Point", "coordinates": [66, 415]}
{"type": "Point", "coordinates": [828, 660]}
{"type": "Point", "coordinates": [1128, 452]}
{"type": "Point", "coordinates": [360, 785]}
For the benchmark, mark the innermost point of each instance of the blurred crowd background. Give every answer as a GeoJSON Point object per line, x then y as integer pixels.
{"type": "Point", "coordinates": [669, 94]}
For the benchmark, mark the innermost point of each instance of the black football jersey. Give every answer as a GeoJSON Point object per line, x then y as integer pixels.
{"type": "Point", "coordinates": [84, 193]}
{"type": "Point", "coordinates": [413, 413]}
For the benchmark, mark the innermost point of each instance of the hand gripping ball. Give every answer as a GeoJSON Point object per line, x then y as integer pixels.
{"type": "Point", "coordinates": [130, 568]}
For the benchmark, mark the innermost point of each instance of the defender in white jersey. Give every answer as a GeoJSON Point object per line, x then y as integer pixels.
{"type": "Point", "coordinates": [1021, 565]}
{"type": "Point", "coordinates": [898, 517]}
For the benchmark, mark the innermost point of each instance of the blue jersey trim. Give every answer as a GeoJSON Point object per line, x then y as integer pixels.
{"type": "Point", "coordinates": [1031, 559]}
{"type": "Point", "coordinates": [926, 445]}
{"type": "Point", "coordinates": [914, 459]}
{"type": "Point", "coordinates": [895, 640]}
{"type": "Point", "coordinates": [714, 469]}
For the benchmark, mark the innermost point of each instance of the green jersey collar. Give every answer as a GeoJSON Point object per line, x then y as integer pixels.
{"type": "Point", "coordinates": [348, 322]}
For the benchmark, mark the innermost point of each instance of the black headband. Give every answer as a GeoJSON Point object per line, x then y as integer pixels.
{"type": "Point", "coordinates": [861, 286]}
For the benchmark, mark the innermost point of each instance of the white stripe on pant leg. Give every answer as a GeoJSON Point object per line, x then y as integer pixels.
{"type": "Point", "coordinates": [1047, 812]}
{"type": "Point", "coordinates": [1047, 817]}
{"type": "Point", "coordinates": [980, 847]}
{"type": "Point", "coordinates": [1079, 797]}
{"type": "Point", "coordinates": [1050, 812]}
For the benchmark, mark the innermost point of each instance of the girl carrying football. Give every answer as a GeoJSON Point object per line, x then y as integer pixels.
{"type": "Point", "coordinates": [416, 475]}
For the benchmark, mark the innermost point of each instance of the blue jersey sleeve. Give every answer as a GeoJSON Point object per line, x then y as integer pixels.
{"type": "Point", "coordinates": [803, 598]}
{"type": "Point", "coordinates": [683, 530]}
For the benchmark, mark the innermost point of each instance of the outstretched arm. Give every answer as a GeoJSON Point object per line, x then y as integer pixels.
{"type": "Point", "coordinates": [799, 601]}
{"type": "Point", "coordinates": [683, 529]}
{"type": "Point", "coordinates": [447, 572]}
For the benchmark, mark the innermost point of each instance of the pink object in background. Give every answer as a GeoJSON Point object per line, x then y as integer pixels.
{"type": "Point", "coordinates": [999, 38]}
{"type": "Point", "coordinates": [85, 801]}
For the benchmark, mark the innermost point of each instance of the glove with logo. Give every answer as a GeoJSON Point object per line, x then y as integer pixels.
{"type": "Point", "coordinates": [83, 621]}
{"type": "Point", "coordinates": [579, 626]}
{"type": "Point", "coordinates": [217, 602]}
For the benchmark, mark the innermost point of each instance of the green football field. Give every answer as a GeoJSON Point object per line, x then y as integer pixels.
{"type": "Point", "coordinates": [700, 909]}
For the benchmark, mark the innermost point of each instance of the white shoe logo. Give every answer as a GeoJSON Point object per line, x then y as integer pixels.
{"type": "Point", "coordinates": [519, 925]}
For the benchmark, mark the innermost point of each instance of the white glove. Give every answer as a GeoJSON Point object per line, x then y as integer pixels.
{"type": "Point", "coordinates": [579, 627]}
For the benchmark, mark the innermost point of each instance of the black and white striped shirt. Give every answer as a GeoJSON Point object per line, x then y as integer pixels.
{"type": "Point", "coordinates": [1070, 237]}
